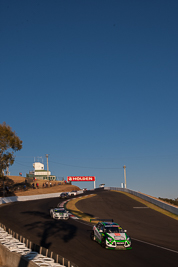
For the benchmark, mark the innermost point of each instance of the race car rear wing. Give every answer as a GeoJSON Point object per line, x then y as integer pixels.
{"type": "Point", "coordinates": [102, 220]}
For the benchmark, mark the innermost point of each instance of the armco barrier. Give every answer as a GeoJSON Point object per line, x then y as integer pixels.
{"type": "Point", "coordinates": [154, 201]}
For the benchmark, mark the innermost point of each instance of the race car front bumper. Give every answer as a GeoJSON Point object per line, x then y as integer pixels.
{"type": "Point", "coordinates": [124, 244]}
{"type": "Point", "coordinates": [61, 217]}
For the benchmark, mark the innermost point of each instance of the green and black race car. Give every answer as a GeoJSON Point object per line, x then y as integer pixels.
{"type": "Point", "coordinates": [110, 235]}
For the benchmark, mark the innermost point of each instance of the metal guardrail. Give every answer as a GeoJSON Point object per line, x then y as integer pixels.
{"type": "Point", "coordinates": [154, 201]}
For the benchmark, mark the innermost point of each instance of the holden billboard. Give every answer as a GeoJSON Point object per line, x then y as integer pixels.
{"type": "Point", "coordinates": [81, 178]}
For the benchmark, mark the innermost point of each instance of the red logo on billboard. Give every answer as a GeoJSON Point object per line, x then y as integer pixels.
{"type": "Point", "coordinates": [80, 178]}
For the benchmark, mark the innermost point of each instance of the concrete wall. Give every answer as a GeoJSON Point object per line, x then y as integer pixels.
{"type": "Point", "coordinates": [154, 201]}
{"type": "Point", "coordinates": [13, 259]}
{"type": "Point", "coordinates": [4, 200]}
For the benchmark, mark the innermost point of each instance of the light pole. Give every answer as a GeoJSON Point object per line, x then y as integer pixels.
{"type": "Point", "coordinates": [47, 164]}
{"type": "Point", "coordinates": [125, 175]}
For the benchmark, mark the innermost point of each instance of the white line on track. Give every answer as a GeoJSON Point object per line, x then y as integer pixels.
{"type": "Point", "coordinates": [140, 207]}
{"type": "Point", "coordinates": [155, 245]}
{"type": "Point", "coordinates": [174, 251]}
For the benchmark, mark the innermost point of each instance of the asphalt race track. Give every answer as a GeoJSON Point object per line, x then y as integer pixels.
{"type": "Point", "coordinates": [154, 235]}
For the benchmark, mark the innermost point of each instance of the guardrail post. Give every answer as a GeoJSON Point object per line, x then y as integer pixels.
{"type": "Point", "coordinates": [46, 252]}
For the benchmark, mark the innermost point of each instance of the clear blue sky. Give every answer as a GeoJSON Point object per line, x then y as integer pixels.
{"type": "Point", "coordinates": [94, 84]}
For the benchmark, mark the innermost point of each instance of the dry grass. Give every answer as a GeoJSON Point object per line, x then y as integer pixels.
{"type": "Point", "coordinates": [17, 179]}
{"type": "Point", "coordinates": [13, 180]}
{"type": "Point", "coordinates": [72, 208]}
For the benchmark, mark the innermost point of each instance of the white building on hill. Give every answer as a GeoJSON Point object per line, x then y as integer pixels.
{"type": "Point", "coordinates": [40, 173]}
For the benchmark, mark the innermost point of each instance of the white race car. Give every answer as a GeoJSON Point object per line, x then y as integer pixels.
{"type": "Point", "coordinates": [72, 193]}
{"type": "Point", "coordinates": [59, 214]}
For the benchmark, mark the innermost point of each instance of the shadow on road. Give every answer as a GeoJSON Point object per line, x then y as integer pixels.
{"type": "Point", "coordinates": [58, 229]}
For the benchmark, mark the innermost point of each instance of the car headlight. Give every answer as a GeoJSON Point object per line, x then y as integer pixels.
{"type": "Point", "coordinates": [110, 239]}
{"type": "Point", "coordinates": [128, 238]}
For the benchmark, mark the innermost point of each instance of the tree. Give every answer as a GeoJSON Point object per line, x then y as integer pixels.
{"type": "Point", "coordinates": [9, 143]}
